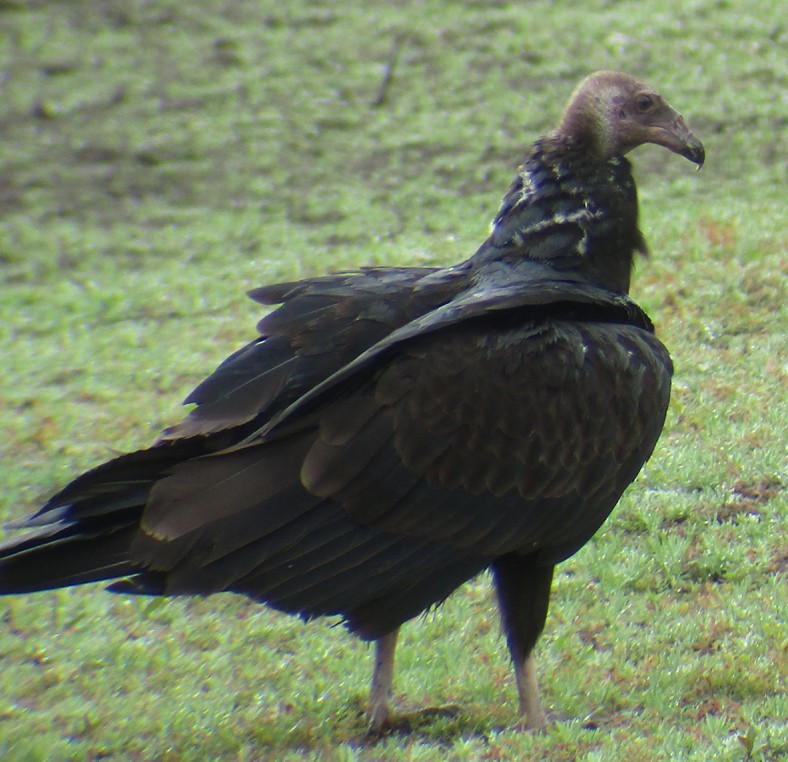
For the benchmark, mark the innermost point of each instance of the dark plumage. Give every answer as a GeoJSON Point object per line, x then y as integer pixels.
{"type": "Point", "coordinates": [395, 431]}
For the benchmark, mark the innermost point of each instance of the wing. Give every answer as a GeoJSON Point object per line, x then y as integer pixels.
{"type": "Point", "coordinates": [321, 325]}
{"type": "Point", "coordinates": [499, 434]}
{"type": "Point", "coordinates": [528, 288]}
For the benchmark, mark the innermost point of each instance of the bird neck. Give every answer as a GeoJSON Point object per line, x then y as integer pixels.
{"type": "Point", "coordinates": [572, 212]}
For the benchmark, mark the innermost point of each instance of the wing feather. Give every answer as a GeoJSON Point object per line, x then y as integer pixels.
{"type": "Point", "coordinates": [482, 439]}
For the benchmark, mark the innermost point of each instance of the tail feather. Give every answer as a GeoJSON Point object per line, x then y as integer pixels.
{"type": "Point", "coordinates": [57, 561]}
{"type": "Point", "coordinates": [85, 532]}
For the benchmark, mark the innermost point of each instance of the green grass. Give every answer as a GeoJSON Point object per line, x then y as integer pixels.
{"type": "Point", "coordinates": [159, 158]}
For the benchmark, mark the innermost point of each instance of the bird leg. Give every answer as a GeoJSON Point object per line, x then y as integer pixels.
{"type": "Point", "coordinates": [523, 588]}
{"type": "Point", "coordinates": [382, 678]}
{"type": "Point", "coordinates": [533, 716]}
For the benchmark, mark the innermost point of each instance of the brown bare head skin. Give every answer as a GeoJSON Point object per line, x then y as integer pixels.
{"type": "Point", "coordinates": [612, 113]}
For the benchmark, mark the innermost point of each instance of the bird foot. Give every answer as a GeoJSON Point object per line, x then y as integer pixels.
{"type": "Point", "coordinates": [536, 726]}
{"type": "Point", "coordinates": [539, 723]}
{"type": "Point", "coordinates": [534, 721]}
{"type": "Point", "coordinates": [378, 717]}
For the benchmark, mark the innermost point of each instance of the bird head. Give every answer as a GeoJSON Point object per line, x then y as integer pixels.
{"type": "Point", "coordinates": [613, 113]}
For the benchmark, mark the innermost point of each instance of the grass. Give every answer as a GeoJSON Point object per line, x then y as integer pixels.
{"type": "Point", "coordinates": [158, 159]}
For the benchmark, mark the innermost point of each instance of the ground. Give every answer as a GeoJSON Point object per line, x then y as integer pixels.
{"type": "Point", "coordinates": [158, 159]}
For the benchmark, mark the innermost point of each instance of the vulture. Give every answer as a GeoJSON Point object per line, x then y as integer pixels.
{"type": "Point", "coordinates": [395, 431]}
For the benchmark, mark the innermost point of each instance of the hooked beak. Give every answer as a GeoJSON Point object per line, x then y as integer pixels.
{"type": "Point", "coordinates": [677, 138]}
{"type": "Point", "coordinates": [693, 150]}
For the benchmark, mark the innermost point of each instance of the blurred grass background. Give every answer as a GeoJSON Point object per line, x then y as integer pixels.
{"type": "Point", "coordinates": [158, 159]}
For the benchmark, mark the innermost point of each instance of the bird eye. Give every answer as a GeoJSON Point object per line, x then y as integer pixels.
{"type": "Point", "coordinates": [643, 102]}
